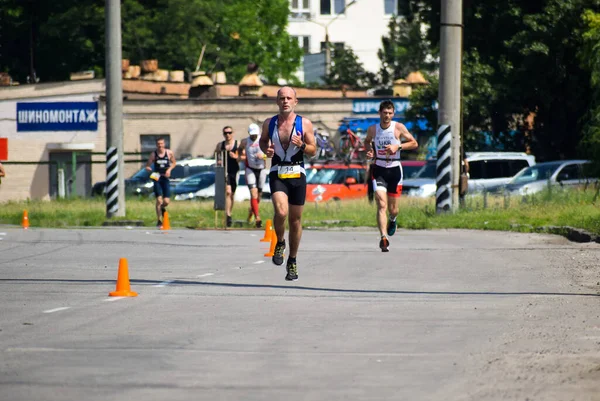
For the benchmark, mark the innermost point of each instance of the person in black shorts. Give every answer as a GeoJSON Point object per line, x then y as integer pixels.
{"type": "Point", "coordinates": [231, 147]}
{"type": "Point", "coordinates": [384, 142]}
{"type": "Point", "coordinates": [286, 138]}
{"type": "Point", "coordinates": [160, 163]}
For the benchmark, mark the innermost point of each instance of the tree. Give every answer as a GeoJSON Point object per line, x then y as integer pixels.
{"type": "Point", "coordinates": [347, 70]}
{"type": "Point", "coordinates": [590, 59]}
{"type": "Point", "coordinates": [404, 50]}
{"type": "Point", "coordinates": [63, 36]}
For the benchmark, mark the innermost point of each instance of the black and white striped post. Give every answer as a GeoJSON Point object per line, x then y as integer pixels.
{"type": "Point", "coordinates": [443, 177]}
{"type": "Point", "coordinates": [115, 181]}
{"type": "Point", "coordinates": [112, 182]}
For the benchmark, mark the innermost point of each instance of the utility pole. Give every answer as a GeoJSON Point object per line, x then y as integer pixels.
{"type": "Point", "coordinates": [449, 112]}
{"type": "Point", "coordinates": [115, 181]}
{"type": "Point", "coordinates": [327, 54]}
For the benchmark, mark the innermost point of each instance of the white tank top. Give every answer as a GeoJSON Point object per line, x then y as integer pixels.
{"type": "Point", "coordinates": [254, 155]}
{"type": "Point", "coordinates": [382, 138]}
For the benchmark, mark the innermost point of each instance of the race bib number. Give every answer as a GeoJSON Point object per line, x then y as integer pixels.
{"type": "Point", "coordinates": [285, 172]}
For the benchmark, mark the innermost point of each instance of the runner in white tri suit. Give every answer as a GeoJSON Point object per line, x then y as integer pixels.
{"type": "Point", "coordinates": [287, 137]}
{"type": "Point", "coordinates": [256, 174]}
{"type": "Point", "coordinates": [386, 176]}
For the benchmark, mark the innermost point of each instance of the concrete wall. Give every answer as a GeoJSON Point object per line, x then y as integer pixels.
{"type": "Point", "coordinates": [194, 125]}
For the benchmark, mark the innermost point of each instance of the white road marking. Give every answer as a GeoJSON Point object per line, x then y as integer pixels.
{"type": "Point", "coordinates": [112, 299]}
{"type": "Point", "coordinates": [57, 309]}
{"type": "Point", "coordinates": [205, 275]}
{"type": "Point", "coordinates": [258, 262]}
{"type": "Point", "coordinates": [164, 283]}
{"type": "Point", "coordinates": [2, 233]}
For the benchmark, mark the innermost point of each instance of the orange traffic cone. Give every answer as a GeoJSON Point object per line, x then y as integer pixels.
{"type": "Point", "coordinates": [166, 223]}
{"type": "Point", "coordinates": [123, 288]}
{"type": "Point", "coordinates": [25, 220]}
{"type": "Point", "coordinates": [268, 229]}
{"type": "Point", "coordinates": [273, 243]}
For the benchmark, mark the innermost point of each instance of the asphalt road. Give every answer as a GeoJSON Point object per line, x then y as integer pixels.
{"type": "Point", "coordinates": [445, 315]}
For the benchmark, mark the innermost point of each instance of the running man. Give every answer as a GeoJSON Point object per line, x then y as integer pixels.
{"type": "Point", "coordinates": [387, 137]}
{"type": "Point", "coordinates": [161, 163]}
{"type": "Point", "coordinates": [231, 146]}
{"type": "Point", "coordinates": [256, 174]}
{"type": "Point", "coordinates": [287, 137]}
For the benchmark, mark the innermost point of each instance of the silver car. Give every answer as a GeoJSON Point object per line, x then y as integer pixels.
{"type": "Point", "coordinates": [563, 173]}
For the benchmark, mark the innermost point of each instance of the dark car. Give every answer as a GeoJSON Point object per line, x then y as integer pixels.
{"type": "Point", "coordinates": [187, 188]}
{"type": "Point", "coordinates": [140, 183]}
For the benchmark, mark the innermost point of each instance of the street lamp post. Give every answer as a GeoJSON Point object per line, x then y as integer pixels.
{"type": "Point", "coordinates": [326, 26]}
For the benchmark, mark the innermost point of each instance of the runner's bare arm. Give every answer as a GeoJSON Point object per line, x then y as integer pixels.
{"type": "Point", "coordinates": [409, 143]}
{"type": "Point", "coordinates": [172, 164]}
{"type": "Point", "coordinates": [265, 140]}
{"type": "Point", "coordinates": [369, 141]}
{"type": "Point", "coordinates": [309, 138]}
{"type": "Point", "coordinates": [150, 161]}
{"type": "Point", "coordinates": [242, 150]}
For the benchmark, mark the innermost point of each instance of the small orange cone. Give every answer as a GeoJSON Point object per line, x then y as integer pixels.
{"type": "Point", "coordinates": [25, 220]}
{"type": "Point", "coordinates": [123, 288]}
{"type": "Point", "coordinates": [273, 243]}
{"type": "Point", "coordinates": [166, 223]}
{"type": "Point", "coordinates": [268, 229]}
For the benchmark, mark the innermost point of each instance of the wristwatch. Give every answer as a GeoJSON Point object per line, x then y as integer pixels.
{"type": "Point", "coordinates": [303, 147]}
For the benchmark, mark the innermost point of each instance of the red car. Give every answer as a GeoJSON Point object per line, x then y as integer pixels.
{"type": "Point", "coordinates": [338, 181]}
{"type": "Point", "coordinates": [335, 182]}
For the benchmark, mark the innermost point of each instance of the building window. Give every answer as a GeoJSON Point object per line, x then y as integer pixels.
{"type": "Point", "coordinates": [390, 6]}
{"type": "Point", "coordinates": [148, 143]}
{"type": "Point", "coordinates": [304, 43]}
{"type": "Point", "coordinates": [300, 8]}
{"type": "Point", "coordinates": [329, 7]}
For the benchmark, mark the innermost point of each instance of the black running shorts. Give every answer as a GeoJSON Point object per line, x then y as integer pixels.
{"type": "Point", "coordinates": [387, 179]}
{"type": "Point", "coordinates": [294, 188]}
{"type": "Point", "coordinates": [232, 181]}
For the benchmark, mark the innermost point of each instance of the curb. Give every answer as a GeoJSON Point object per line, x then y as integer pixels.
{"type": "Point", "coordinates": [571, 233]}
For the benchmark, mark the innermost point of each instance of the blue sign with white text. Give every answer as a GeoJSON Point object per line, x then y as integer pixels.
{"type": "Point", "coordinates": [371, 106]}
{"type": "Point", "coordinates": [57, 116]}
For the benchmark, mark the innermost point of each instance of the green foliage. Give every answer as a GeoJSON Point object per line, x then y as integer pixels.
{"type": "Point", "coordinates": [405, 49]}
{"type": "Point", "coordinates": [590, 59]}
{"type": "Point", "coordinates": [347, 70]}
{"type": "Point", "coordinates": [68, 35]}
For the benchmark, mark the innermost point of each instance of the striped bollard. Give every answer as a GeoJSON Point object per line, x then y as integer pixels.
{"type": "Point", "coordinates": [443, 195]}
{"type": "Point", "coordinates": [112, 189]}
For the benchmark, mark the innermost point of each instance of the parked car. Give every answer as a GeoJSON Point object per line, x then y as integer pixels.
{"type": "Point", "coordinates": [564, 173]}
{"type": "Point", "coordinates": [410, 168]}
{"type": "Point", "coordinates": [140, 183]}
{"type": "Point", "coordinates": [202, 187]}
{"type": "Point", "coordinates": [491, 169]}
{"type": "Point", "coordinates": [422, 184]}
{"type": "Point", "coordinates": [335, 181]}
{"type": "Point", "coordinates": [487, 170]}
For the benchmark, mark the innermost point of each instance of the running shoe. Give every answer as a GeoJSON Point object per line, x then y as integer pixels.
{"type": "Point", "coordinates": [384, 244]}
{"type": "Point", "coordinates": [258, 223]}
{"type": "Point", "coordinates": [159, 224]}
{"type": "Point", "coordinates": [278, 253]}
{"type": "Point", "coordinates": [229, 221]}
{"type": "Point", "coordinates": [292, 271]}
{"type": "Point", "coordinates": [391, 229]}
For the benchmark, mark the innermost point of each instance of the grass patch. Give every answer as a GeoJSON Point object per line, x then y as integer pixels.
{"type": "Point", "coordinates": [573, 208]}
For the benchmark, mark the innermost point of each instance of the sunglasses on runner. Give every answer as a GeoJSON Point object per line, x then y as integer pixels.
{"type": "Point", "coordinates": [227, 132]}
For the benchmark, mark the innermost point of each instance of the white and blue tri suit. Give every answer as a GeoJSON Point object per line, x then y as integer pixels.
{"type": "Point", "coordinates": [287, 172]}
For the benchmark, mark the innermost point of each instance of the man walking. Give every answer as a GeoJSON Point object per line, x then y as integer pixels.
{"type": "Point", "coordinates": [161, 162]}
{"type": "Point", "coordinates": [387, 137]}
{"type": "Point", "coordinates": [230, 146]}
{"type": "Point", "coordinates": [256, 175]}
{"type": "Point", "coordinates": [287, 137]}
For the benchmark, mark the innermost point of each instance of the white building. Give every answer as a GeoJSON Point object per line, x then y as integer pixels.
{"type": "Point", "coordinates": [358, 24]}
